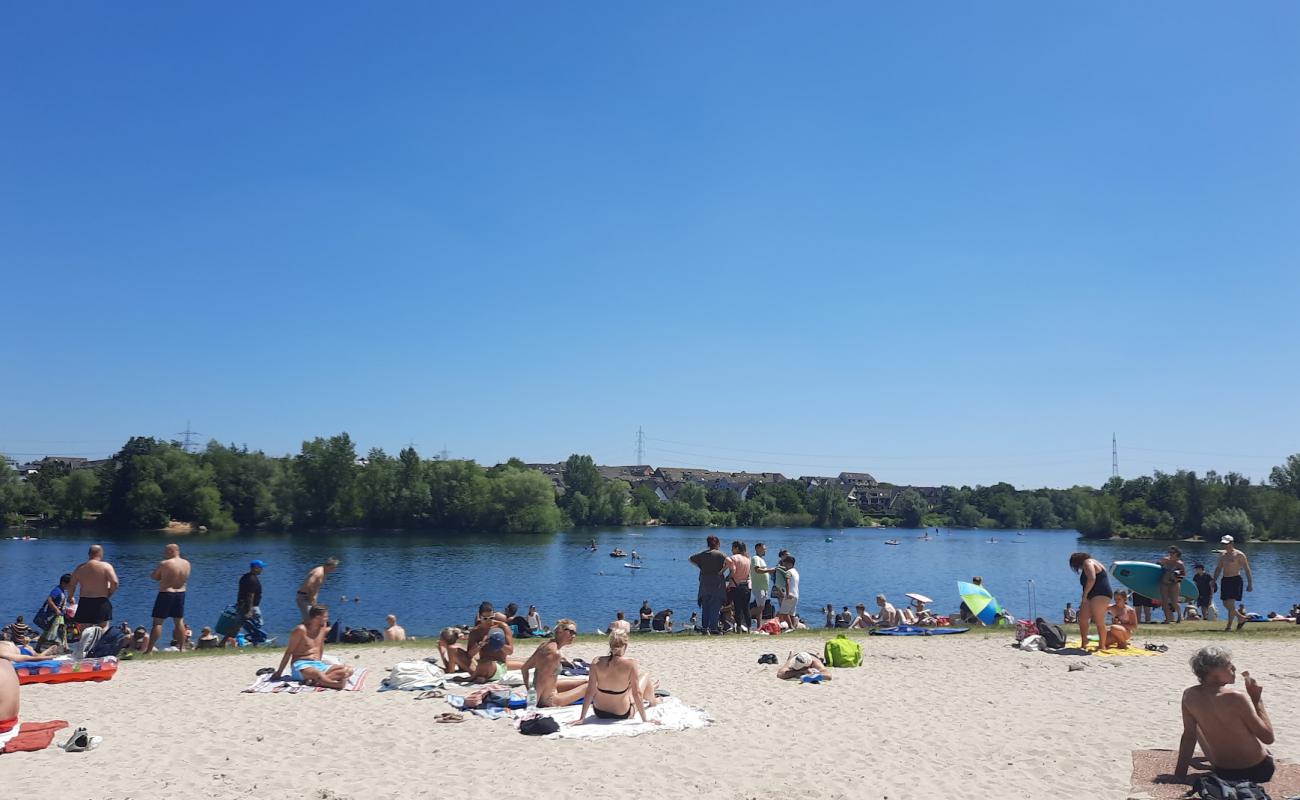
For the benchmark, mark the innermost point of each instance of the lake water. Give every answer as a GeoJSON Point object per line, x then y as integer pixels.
{"type": "Point", "coordinates": [433, 581]}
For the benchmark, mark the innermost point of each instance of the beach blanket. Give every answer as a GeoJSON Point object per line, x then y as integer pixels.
{"type": "Point", "coordinates": [1114, 652]}
{"type": "Point", "coordinates": [914, 630]}
{"type": "Point", "coordinates": [1150, 764]}
{"type": "Point", "coordinates": [672, 713]}
{"type": "Point", "coordinates": [413, 676]}
{"type": "Point", "coordinates": [28, 737]}
{"type": "Point", "coordinates": [512, 678]}
{"type": "Point", "coordinates": [266, 685]}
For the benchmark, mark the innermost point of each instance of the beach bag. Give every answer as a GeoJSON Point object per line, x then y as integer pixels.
{"type": "Point", "coordinates": [1212, 787]}
{"type": "Point", "coordinates": [843, 652]}
{"type": "Point", "coordinates": [110, 643]}
{"type": "Point", "coordinates": [229, 623]}
{"type": "Point", "coordinates": [1025, 629]}
{"type": "Point", "coordinates": [1053, 636]}
{"type": "Point", "coordinates": [539, 726]}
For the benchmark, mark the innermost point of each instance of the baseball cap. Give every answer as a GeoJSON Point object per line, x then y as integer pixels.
{"type": "Point", "coordinates": [1226, 540]}
{"type": "Point", "coordinates": [257, 562]}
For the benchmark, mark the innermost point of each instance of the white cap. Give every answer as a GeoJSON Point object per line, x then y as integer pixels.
{"type": "Point", "coordinates": [803, 660]}
{"type": "Point", "coordinates": [1226, 540]}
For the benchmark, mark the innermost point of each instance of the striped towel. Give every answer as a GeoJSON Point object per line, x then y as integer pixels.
{"type": "Point", "coordinates": [266, 685]}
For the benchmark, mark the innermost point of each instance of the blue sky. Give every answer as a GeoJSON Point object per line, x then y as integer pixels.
{"type": "Point", "coordinates": [957, 245]}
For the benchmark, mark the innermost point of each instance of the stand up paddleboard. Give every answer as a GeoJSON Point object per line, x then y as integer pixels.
{"type": "Point", "coordinates": [634, 566]}
{"type": "Point", "coordinates": [1144, 578]}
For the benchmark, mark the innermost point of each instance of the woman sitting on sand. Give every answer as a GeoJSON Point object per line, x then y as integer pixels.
{"type": "Point", "coordinates": [1096, 597]}
{"type": "Point", "coordinates": [616, 688]}
{"type": "Point", "coordinates": [1124, 621]}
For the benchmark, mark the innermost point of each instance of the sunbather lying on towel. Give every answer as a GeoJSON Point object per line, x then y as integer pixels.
{"type": "Point", "coordinates": [800, 664]}
{"type": "Point", "coordinates": [12, 652]}
{"type": "Point", "coordinates": [305, 650]}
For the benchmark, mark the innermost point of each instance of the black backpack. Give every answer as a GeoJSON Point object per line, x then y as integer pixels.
{"type": "Point", "coordinates": [1053, 636]}
{"type": "Point", "coordinates": [110, 643]}
{"type": "Point", "coordinates": [1212, 787]}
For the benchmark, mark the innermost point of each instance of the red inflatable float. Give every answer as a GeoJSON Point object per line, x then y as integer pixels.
{"type": "Point", "coordinates": [66, 670]}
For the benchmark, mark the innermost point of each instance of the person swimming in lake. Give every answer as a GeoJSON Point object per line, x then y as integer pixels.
{"type": "Point", "coordinates": [1095, 582]}
{"type": "Point", "coordinates": [616, 688]}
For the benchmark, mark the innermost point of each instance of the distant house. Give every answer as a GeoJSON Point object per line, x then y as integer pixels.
{"type": "Point", "coordinates": [553, 472]}
{"type": "Point", "coordinates": [71, 462]}
{"type": "Point", "coordinates": [625, 473]}
{"type": "Point", "coordinates": [857, 479]}
{"type": "Point", "coordinates": [933, 495]}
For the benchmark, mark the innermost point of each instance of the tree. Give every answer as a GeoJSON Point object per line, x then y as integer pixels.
{"type": "Point", "coordinates": [830, 508]}
{"type": "Point", "coordinates": [968, 516]}
{"type": "Point", "coordinates": [328, 471]}
{"type": "Point", "coordinates": [1097, 517]}
{"type": "Point", "coordinates": [1195, 508]}
{"type": "Point", "coordinates": [692, 495]}
{"type": "Point", "coordinates": [910, 507]}
{"type": "Point", "coordinates": [521, 501]}
{"type": "Point", "coordinates": [74, 494]}
{"type": "Point", "coordinates": [1228, 522]}
{"type": "Point", "coordinates": [1287, 476]}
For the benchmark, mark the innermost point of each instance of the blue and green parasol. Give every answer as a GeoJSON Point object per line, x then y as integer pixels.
{"type": "Point", "coordinates": [982, 604]}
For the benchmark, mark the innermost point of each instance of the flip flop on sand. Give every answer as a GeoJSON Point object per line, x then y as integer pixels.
{"type": "Point", "coordinates": [449, 716]}
{"type": "Point", "coordinates": [431, 694]}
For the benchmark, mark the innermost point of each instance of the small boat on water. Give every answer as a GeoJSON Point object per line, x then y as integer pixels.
{"type": "Point", "coordinates": [618, 554]}
{"type": "Point", "coordinates": [892, 541]}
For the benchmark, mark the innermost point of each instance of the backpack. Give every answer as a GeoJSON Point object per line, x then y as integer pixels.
{"type": "Point", "coordinates": [1212, 787]}
{"type": "Point", "coordinates": [843, 652]}
{"type": "Point", "coordinates": [1053, 636]}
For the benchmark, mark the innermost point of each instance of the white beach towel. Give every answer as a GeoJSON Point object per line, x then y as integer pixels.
{"type": "Point", "coordinates": [265, 685]}
{"type": "Point", "coordinates": [512, 678]}
{"type": "Point", "coordinates": [672, 713]}
{"type": "Point", "coordinates": [412, 676]}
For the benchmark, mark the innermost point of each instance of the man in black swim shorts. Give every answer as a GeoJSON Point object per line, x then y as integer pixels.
{"type": "Point", "coordinates": [1230, 566]}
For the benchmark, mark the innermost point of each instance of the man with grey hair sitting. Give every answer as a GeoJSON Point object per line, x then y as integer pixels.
{"type": "Point", "coordinates": [1232, 726]}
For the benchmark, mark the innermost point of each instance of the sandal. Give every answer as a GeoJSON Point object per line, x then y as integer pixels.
{"type": "Point", "coordinates": [81, 741]}
{"type": "Point", "coordinates": [431, 694]}
{"type": "Point", "coordinates": [449, 716]}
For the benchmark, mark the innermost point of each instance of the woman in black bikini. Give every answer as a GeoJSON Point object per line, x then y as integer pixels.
{"type": "Point", "coordinates": [616, 688]}
{"type": "Point", "coordinates": [1096, 597]}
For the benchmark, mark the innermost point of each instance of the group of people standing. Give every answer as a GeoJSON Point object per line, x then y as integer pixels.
{"type": "Point", "coordinates": [746, 583]}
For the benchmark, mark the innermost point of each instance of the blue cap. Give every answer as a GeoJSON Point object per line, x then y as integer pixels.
{"type": "Point", "coordinates": [497, 638]}
{"type": "Point", "coordinates": [257, 563]}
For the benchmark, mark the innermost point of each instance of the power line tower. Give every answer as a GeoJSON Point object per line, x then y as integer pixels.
{"type": "Point", "coordinates": [1114, 457]}
{"type": "Point", "coordinates": [187, 442]}
{"type": "Point", "coordinates": [443, 454]}
{"type": "Point", "coordinates": [640, 447]}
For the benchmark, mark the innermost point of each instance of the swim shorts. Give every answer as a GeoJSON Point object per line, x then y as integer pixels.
{"type": "Point", "coordinates": [1229, 588]}
{"type": "Point", "coordinates": [1260, 773]}
{"type": "Point", "coordinates": [94, 610]}
{"type": "Point", "coordinates": [169, 605]}
{"type": "Point", "coordinates": [500, 673]}
{"type": "Point", "coordinates": [299, 666]}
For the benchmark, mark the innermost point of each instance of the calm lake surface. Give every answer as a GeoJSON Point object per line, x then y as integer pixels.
{"type": "Point", "coordinates": [431, 581]}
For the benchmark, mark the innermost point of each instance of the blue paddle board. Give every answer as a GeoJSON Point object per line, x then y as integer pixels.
{"type": "Point", "coordinates": [1144, 578]}
{"type": "Point", "coordinates": [915, 630]}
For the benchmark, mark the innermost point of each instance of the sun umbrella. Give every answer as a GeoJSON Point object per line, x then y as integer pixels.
{"type": "Point", "coordinates": [980, 602]}
{"type": "Point", "coordinates": [920, 598]}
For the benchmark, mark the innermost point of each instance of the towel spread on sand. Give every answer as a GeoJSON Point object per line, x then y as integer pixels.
{"type": "Point", "coordinates": [1113, 652]}
{"type": "Point", "coordinates": [266, 685]}
{"type": "Point", "coordinates": [413, 676]}
{"type": "Point", "coordinates": [28, 737]}
{"type": "Point", "coordinates": [512, 678]}
{"type": "Point", "coordinates": [672, 713]}
{"type": "Point", "coordinates": [1150, 764]}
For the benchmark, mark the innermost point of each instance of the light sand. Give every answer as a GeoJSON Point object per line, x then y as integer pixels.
{"type": "Point", "coordinates": [952, 717]}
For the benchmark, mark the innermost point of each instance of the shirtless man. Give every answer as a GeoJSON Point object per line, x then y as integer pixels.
{"type": "Point", "coordinates": [1123, 622]}
{"type": "Point", "coordinates": [98, 581]}
{"type": "Point", "coordinates": [490, 645]}
{"type": "Point", "coordinates": [889, 616]}
{"type": "Point", "coordinates": [306, 647]}
{"type": "Point", "coordinates": [545, 663]}
{"type": "Point", "coordinates": [310, 589]}
{"type": "Point", "coordinates": [1230, 565]}
{"type": "Point", "coordinates": [394, 632]}
{"type": "Point", "coordinates": [454, 657]}
{"type": "Point", "coordinates": [172, 574]}
{"type": "Point", "coordinates": [1232, 727]}
{"type": "Point", "coordinates": [863, 620]}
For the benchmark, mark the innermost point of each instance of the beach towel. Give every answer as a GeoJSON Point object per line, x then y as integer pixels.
{"type": "Point", "coordinates": [1150, 764]}
{"type": "Point", "coordinates": [914, 630]}
{"type": "Point", "coordinates": [1114, 652]}
{"type": "Point", "coordinates": [512, 678]}
{"type": "Point", "coordinates": [266, 685]}
{"type": "Point", "coordinates": [413, 676]}
{"type": "Point", "coordinates": [672, 713]}
{"type": "Point", "coordinates": [28, 737]}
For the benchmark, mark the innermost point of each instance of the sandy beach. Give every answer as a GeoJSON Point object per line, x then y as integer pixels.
{"type": "Point", "coordinates": [958, 716]}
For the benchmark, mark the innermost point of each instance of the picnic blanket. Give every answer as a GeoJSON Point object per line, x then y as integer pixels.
{"type": "Point", "coordinates": [266, 685]}
{"type": "Point", "coordinates": [1114, 652]}
{"type": "Point", "coordinates": [28, 737]}
{"type": "Point", "coordinates": [413, 676]}
{"type": "Point", "coordinates": [672, 713]}
{"type": "Point", "coordinates": [1150, 764]}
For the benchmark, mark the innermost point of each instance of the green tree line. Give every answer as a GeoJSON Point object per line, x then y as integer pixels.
{"type": "Point", "coordinates": [150, 482]}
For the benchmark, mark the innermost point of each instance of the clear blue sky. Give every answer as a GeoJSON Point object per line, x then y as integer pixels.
{"type": "Point", "coordinates": [947, 244]}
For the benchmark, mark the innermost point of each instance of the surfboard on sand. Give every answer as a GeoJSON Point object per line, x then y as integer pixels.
{"type": "Point", "coordinates": [1143, 577]}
